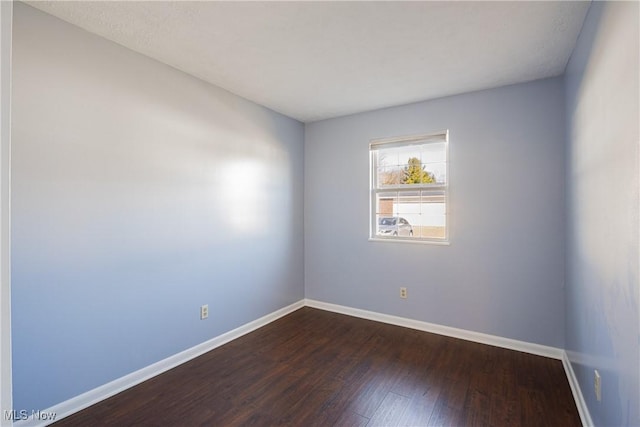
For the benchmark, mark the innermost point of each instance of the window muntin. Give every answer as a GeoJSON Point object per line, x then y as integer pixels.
{"type": "Point", "coordinates": [409, 181]}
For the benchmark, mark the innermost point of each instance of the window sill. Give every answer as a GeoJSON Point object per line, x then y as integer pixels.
{"type": "Point", "coordinates": [414, 241]}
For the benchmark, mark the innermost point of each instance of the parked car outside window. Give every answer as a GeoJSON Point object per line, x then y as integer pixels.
{"type": "Point", "coordinates": [394, 226]}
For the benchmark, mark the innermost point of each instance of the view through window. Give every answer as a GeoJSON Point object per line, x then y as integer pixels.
{"type": "Point", "coordinates": [409, 188]}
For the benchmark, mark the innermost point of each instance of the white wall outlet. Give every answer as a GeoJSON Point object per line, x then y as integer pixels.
{"type": "Point", "coordinates": [597, 384]}
{"type": "Point", "coordinates": [204, 311]}
{"type": "Point", "coordinates": [403, 292]}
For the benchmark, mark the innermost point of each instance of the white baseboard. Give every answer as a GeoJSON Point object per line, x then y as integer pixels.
{"type": "Point", "coordinates": [581, 404]}
{"type": "Point", "coordinates": [526, 347]}
{"type": "Point", "coordinates": [105, 391]}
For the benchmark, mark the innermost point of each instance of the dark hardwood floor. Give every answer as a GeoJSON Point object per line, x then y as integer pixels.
{"type": "Point", "coordinates": [316, 368]}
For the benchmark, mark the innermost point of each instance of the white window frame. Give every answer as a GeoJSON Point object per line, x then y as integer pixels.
{"type": "Point", "coordinates": [404, 141]}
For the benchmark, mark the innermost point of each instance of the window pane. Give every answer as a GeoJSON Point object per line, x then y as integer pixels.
{"type": "Point", "coordinates": [407, 208]}
{"type": "Point", "coordinates": [385, 203]}
{"type": "Point", "coordinates": [434, 153]}
{"type": "Point", "coordinates": [390, 175]}
{"type": "Point", "coordinates": [433, 215]}
{"type": "Point", "coordinates": [438, 171]}
{"type": "Point", "coordinates": [416, 164]}
{"type": "Point", "coordinates": [386, 221]}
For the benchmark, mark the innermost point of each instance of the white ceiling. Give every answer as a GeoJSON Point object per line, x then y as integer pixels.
{"type": "Point", "coordinates": [316, 60]}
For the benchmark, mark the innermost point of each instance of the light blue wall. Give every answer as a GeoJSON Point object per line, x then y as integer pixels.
{"type": "Point", "coordinates": [139, 194]}
{"type": "Point", "coordinates": [503, 272]}
{"type": "Point", "coordinates": [602, 322]}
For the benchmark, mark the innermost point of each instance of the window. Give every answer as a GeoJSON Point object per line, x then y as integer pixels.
{"type": "Point", "coordinates": [409, 188]}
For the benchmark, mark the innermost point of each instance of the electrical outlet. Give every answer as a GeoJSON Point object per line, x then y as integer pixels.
{"type": "Point", "coordinates": [597, 384]}
{"type": "Point", "coordinates": [204, 311]}
{"type": "Point", "coordinates": [403, 292]}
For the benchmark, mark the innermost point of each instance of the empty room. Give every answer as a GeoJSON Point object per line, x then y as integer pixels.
{"type": "Point", "coordinates": [323, 213]}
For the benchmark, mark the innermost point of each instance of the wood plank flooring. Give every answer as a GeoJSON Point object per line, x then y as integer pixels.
{"type": "Point", "coordinates": [316, 368]}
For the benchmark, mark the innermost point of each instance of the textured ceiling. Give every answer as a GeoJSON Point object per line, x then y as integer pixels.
{"type": "Point", "coordinates": [315, 60]}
